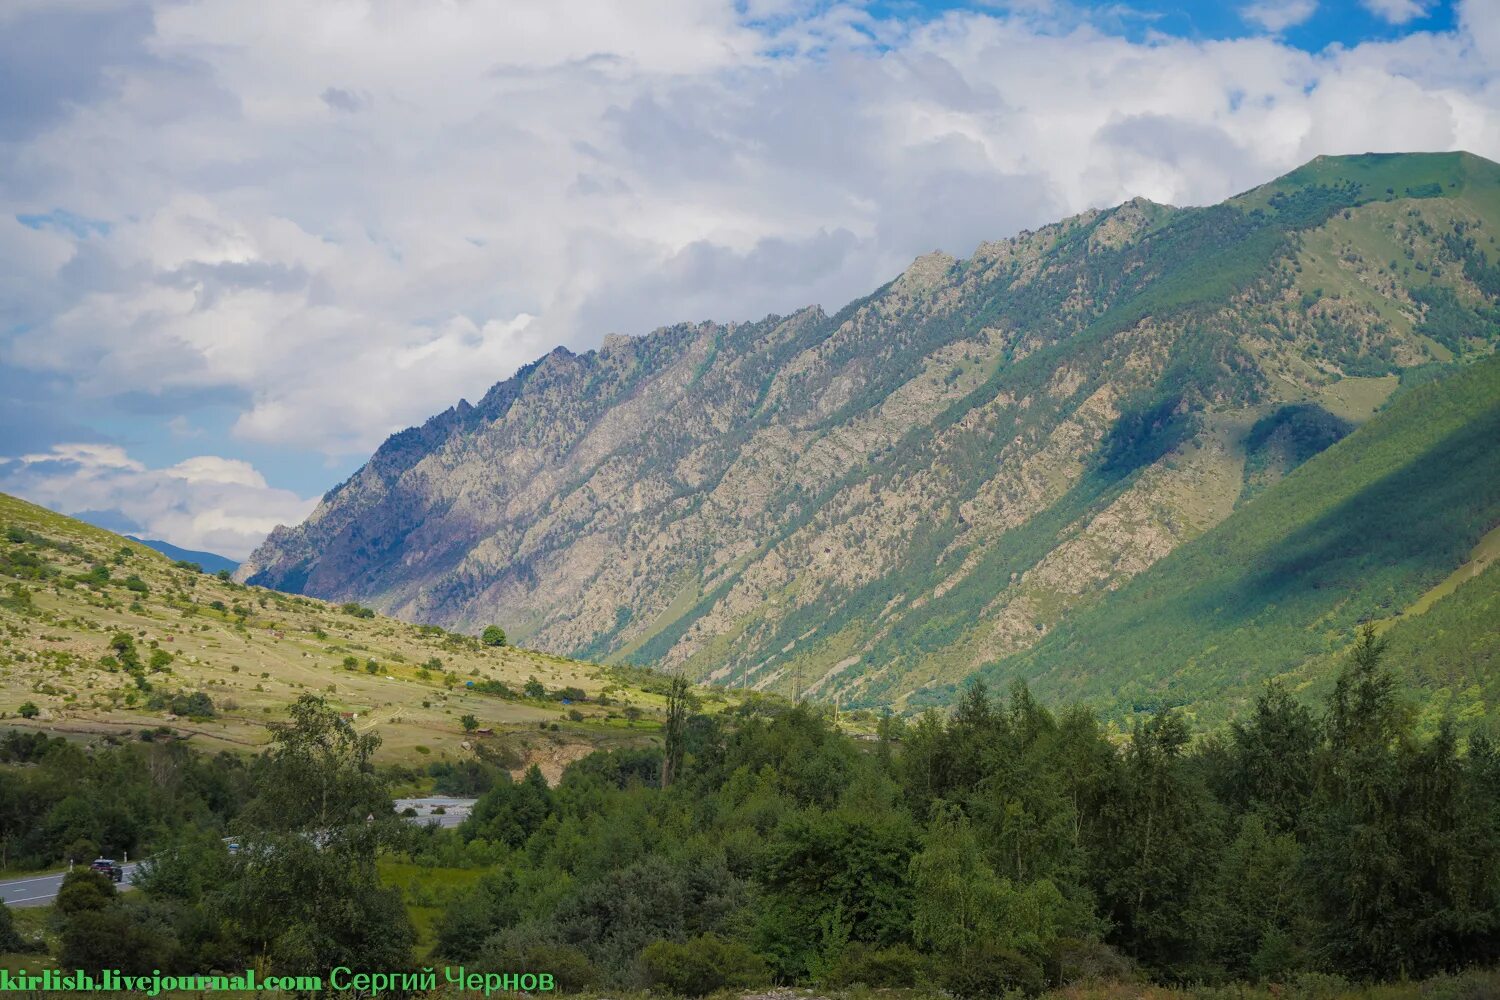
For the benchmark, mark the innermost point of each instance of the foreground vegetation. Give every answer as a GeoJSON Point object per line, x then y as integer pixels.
{"type": "Point", "coordinates": [1005, 850]}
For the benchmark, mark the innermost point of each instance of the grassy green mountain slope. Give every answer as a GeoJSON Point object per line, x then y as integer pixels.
{"type": "Point", "coordinates": [1360, 532]}
{"type": "Point", "coordinates": [101, 635]}
{"type": "Point", "coordinates": [875, 504]}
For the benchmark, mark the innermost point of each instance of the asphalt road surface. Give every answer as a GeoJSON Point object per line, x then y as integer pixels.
{"type": "Point", "coordinates": [39, 890]}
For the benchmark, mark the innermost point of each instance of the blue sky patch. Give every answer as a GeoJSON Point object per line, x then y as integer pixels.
{"type": "Point", "coordinates": [78, 226]}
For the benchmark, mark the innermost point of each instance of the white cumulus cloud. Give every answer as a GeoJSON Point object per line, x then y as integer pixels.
{"type": "Point", "coordinates": [206, 502]}
{"type": "Point", "coordinates": [1399, 11]}
{"type": "Point", "coordinates": [1278, 15]}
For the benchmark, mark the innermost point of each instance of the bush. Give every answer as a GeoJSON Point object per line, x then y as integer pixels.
{"type": "Point", "coordinates": [10, 939]}
{"type": "Point", "coordinates": [197, 705]}
{"type": "Point", "coordinates": [520, 948]}
{"type": "Point", "coordinates": [28, 710]}
{"type": "Point", "coordinates": [862, 965]}
{"type": "Point", "coordinates": [1073, 960]}
{"type": "Point", "coordinates": [94, 940]}
{"type": "Point", "coordinates": [84, 889]}
{"type": "Point", "coordinates": [493, 635]}
{"type": "Point", "coordinates": [987, 971]}
{"type": "Point", "coordinates": [1472, 985]}
{"type": "Point", "coordinates": [702, 964]}
{"type": "Point", "coordinates": [1318, 986]}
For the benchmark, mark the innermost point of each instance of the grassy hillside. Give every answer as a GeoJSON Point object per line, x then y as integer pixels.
{"type": "Point", "coordinates": [101, 635]}
{"type": "Point", "coordinates": [1361, 531]}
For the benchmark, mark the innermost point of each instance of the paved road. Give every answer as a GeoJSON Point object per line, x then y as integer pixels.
{"type": "Point", "coordinates": [39, 890]}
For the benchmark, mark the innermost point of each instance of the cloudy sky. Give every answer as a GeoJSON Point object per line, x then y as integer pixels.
{"type": "Point", "coordinates": [242, 241]}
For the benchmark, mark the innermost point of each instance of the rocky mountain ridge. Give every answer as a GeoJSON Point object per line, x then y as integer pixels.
{"type": "Point", "coordinates": [876, 504]}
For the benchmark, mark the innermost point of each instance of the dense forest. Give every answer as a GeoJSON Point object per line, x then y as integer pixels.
{"type": "Point", "coordinates": [1004, 847]}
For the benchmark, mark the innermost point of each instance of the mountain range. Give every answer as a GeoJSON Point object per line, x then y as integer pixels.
{"type": "Point", "coordinates": [210, 562]}
{"type": "Point", "coordinates": [1144, 456]}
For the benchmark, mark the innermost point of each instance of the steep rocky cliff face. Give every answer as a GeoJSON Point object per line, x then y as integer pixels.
{"type": "Point", "coordinates": [927, 483]}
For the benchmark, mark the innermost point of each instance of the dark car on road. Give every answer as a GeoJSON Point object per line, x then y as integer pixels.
{"type": "Point", "coordinates": [107, 867]}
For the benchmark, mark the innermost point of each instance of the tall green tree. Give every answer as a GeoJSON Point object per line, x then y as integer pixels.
{"type": "Point", "coordinates": [1272, 766]}
{"type": "Point", "coordinates": [834, 878]}
{"type": "Point", "coordinates": [303, 894]}
{"type": "Point", "coordinates": [1156, 867]}
{"type": "Point", "coordinates": [674, 731]}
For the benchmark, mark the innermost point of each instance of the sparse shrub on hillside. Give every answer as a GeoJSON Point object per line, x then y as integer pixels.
{"type": "Point", "coordinates": [28, 710]}
{"type": "Point", "coordinates": [497, 688]}
{"type": "Point", "coordinates": [123, 645]}
{"type": "Point", "coordinates": [18, 562]}
{"type": "Point", "coordinates": [355, 610]}
{"type": "Point", "coordinates": [17, 598]}
{"type": "Point", "coordinates": [493, 635]}
{"type": "Point", "coordinates": [195, 705]}
{"type": "Point", "coordinates": [98, 577]}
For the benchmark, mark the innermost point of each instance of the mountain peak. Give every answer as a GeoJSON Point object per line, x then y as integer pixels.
{"type": "Point", "coordinates": [924, 272]}
{"type": "Point", "coordinates": [1386, 176]}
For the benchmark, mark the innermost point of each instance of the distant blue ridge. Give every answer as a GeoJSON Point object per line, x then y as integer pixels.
{"type": "Point", "coordinates": [210, 562]}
